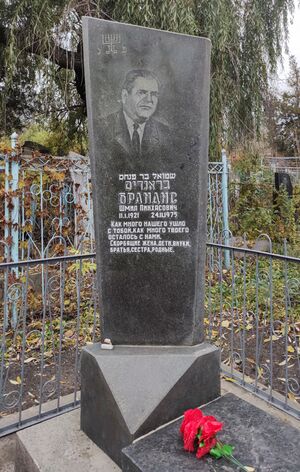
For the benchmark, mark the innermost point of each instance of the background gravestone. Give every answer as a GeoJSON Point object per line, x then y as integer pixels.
{"type": "Point", "coordinates": [283, 181]}
{"type": "Point", "coordinates": [147, 98]}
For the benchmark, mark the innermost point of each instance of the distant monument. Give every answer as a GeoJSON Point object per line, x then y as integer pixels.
{"type": "Point", "coordinates": [148, 108]}
{"type": "Point", "coordinates": [283, 181]}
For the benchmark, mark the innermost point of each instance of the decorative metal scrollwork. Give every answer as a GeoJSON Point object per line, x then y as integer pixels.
{"type": "Point", "coordinates": [10, 400]}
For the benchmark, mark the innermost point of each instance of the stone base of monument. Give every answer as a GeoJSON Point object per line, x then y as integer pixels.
{"type": "Point", "coordinates": [261, 441]}
{"type": "Point", "coordinates": [58, 445]}
{"type": "Point", "coordinates": [131, 390]}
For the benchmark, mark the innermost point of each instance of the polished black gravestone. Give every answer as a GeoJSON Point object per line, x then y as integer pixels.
{"type": "Point", "coordinates": [147, 99]}
{"type": "Point", "coordinates": [260, 440]}
{"type": "Point", "coordinates": [149, 183]}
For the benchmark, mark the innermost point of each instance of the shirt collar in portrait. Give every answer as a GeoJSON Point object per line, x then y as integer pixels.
{"type": "Point", "coordinates": [130, 125]}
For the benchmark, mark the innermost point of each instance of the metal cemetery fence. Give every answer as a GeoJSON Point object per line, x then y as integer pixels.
{"type": "Point", "coordinates": [48, 299]}
{"type": "Point", "coordinates": [252, 314]}
{"type": "Point", "coordinates": [43, 197]}
{"type": "Point", "coordinates": [217, 204]}
{"type": "Point", "coordinates": [56, 316]}
{"type": "Point", "coordinates": [288, 165]}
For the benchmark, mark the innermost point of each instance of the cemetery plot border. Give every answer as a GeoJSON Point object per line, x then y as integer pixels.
{"type": "Point", "coordinates": [253, 315]}
{"type": "Point", "coordinates": [258, 334]}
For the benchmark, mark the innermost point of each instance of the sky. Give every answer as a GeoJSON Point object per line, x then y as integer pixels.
{"type": "Point", "coordinates": [294, 41]}
{"type": "Point", "coordinates": [294, 48]}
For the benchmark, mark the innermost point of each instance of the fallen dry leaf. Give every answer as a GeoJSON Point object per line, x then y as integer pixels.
{"type": "Point", "coordinates": [229, 379]}
{"type": "Point", "coordinates": [30, 359]}
{"type": "Point", "coordinates": [18, 381]}
{"type": "Point", "coordinates": [225, 324]}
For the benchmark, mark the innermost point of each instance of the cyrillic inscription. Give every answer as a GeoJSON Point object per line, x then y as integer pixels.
{"type": "Point", "coordinates": [148, 217]}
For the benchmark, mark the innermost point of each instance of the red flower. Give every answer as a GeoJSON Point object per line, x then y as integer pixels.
{"type": "Point", "coordinates": [210, 428]}
{"type": "Point", "coordinates": [190, 434]}
{"type": "Point", "coordinates": [190, 415]}
{"type": "Point", "coordinates": [208, 445]}
{"type": "Point", "coordinates": [194, 423]}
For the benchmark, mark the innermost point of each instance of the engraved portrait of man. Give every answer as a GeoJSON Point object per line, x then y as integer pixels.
{"type": "Point", "coordinates": [135, 132]}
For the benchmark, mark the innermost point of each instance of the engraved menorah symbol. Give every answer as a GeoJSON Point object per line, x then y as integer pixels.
{"type": "Point", "coordinates": [111, 40]}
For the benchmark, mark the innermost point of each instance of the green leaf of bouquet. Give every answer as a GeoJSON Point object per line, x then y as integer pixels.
{"type": "Point", "coordinates": [216, 453]}
{"type": "Point", "coordinates": [227, 450]}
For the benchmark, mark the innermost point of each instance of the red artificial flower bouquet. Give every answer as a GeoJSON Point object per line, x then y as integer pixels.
{"type": "Point", "coordinates": [199, 433]}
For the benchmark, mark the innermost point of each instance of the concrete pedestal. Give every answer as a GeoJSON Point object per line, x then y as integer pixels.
{"type": "Point", "coordinates": [58, 445]}
{"type": "Point", "coordinates": [131, 390]}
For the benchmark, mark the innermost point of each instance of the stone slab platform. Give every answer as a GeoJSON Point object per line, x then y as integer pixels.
{"type": "Point", "coordinates": [260, 440]}
{"type": "Point", "coordinates": [131, 390]}
{"type": "Point", "coordinates": [58, 445]}
{"type": "Point", "coordinates": [7, 453]}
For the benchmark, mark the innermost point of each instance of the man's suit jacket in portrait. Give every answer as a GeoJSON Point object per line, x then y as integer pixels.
{"type": "Point", "coordinates": [156, 144]}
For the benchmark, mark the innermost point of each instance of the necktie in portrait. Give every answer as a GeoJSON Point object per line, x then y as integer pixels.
{"type": "Point", "coordinates": [136, 145]}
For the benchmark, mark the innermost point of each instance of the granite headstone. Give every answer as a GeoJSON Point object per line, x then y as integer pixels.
{"type": "Point", "coordinates": [148, 99]}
